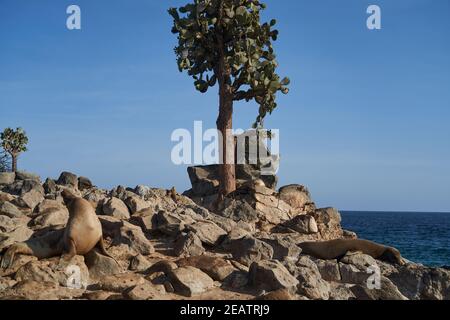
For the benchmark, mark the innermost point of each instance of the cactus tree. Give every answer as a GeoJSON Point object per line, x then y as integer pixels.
{"type": "Point", "coordinates": [14, 142]}
{"type": "Point", "coordinates": [224, 42]}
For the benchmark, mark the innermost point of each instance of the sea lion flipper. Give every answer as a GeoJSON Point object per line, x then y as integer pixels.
{"type": "Point", "coordinates": [17, 248]}
{"type": "Point", "coordinates": [101, 247]}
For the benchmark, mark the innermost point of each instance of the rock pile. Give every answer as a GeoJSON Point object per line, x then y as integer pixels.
{"type": "Point", "coordinates": [172, 246]}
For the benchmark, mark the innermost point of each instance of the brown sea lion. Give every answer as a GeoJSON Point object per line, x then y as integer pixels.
{"type": "Point", "coordinates": [336, 249]}
{"type": "Point", "coordinates": [82, 234]}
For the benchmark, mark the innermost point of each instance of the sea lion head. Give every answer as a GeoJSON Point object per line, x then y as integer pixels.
{"type": "Point", "coordinates": [68, 197]}
{"type": "Point", "coordinates": [392, 255]}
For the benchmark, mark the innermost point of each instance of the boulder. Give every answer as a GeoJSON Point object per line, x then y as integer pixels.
{"type": "Point", "coordinates": [417, 282]}
{"type": "Point", "coordinates": [239, 210]}
{"type": "Point", "coordinates": [311, 284]}
{"type": "Point", "coordinates": [22, 175]}
{"type": "Point", "coordinates": [271, 275]}
{"type": "Point", "coordinates": [20, 234]}
{"type": "Point", "coordinates": [135, 239]}
{"type": "Point", "coordinates": [28, 185]}
{"type": "Point", "coordinates": [74, 276]}
{"type": "Point", "coordinates": [329, 223]}
{"type": "Point", "coordinates": [188, 244]}
{"type": "Point", "coordinates": [10, 210]}
{"type": "Point", "coordinates": [190, 281]}
{"type": "Point", "coordinates": [329, 270]}
{"type": "Point", "coordinates": [116, 208]}
{"type": "Point", "coordinates": [298, 197]}
{"type": "Point", "coordinates": [282, 249]}
{"type": "Point", "coordinates": [119, 282]}
{"type": "Point", "coordinates": [341, 292]}
{"type": "Point", "coordinates": [136, 204]}
{"type": "Point", "coordinates": [30, 199]}
{"type": "Point", "coordinates": [139, 263]}
{"type": "Point", "coordinates": [208, 232]}
{"type": "Point", "coordinates": [6, 197]}
{"type": "Point", "coordinates": [100, 266]}
{"type": "Point", "coordinates": [248, 250]}
{"type": "Point", "coordinates": [49, 186]}
{"type": "Point", "coordinates": [387, 291]}
{"type": "Point", "coordinates": [68, 179]}
{"type": "Point", "coordinates": [142, 191]}
{"type": "Point", "coordinates": [169, 224]}
{"type": "Point", "coordinates": [359, 260]}
{"type": "Point", "coordinates": [304, 224]}
{"type": "Point", "coordinates": [146, 291]}
{"type": "Point", "coordinates": [8, 224]}
{"type": "Point", "coordinates": [84, 183]}
{"type": "Point", "coordinates": [7, 178]}
{"type": "Point", "coordinates": [144, 219]}
{"type": "Point", "coordinates": [217, 268]}
{"type": "Point", "coordinates": [52, 217]}
{"type": "Point", "coordinates": [38, 290]}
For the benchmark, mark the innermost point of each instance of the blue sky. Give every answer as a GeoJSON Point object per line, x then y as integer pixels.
{"type": "Point", "coordinates": [365, 126]}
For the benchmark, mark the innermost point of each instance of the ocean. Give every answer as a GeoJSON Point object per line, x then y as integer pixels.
{"type": "Point", "coordinates": [422, 237]}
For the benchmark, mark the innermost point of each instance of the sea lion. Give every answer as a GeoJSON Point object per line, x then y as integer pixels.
{"type": "Point", "coordinates": [82, 234]}
{"type": "Point", "coordinates": [336, 249]}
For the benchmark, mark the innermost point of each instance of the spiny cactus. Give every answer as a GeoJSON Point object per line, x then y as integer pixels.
{"type": "Point", "coordinates": [224, 42]}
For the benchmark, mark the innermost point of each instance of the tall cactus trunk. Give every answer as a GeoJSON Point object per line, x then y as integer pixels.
{"type": "Point", "coordinates": [227, 169]}
{"type": "Point", "coordinates": [14, 163]}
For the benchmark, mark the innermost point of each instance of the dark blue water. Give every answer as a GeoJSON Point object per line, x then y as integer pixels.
{"type": "Point", "coordinates": [420, 237]}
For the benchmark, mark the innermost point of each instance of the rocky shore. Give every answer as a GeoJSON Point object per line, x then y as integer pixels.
{"type": "Point", "coordinates": [172, 246]}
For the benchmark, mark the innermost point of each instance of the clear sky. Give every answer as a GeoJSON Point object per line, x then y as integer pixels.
{"type": "Point", "coordinates": [365, 126]}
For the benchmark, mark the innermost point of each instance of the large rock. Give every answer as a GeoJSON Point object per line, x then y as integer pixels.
{"type": "Point", "coordinates": [84, 183]}
{"type": "Point", "coordinates": [146, 291]}
{"type": "Point", "coordinates": [298, 197]}
{"type": "Point", "coordinates": [417, 282]}
{"type": "Point", "coordinates": [38, 290]}
{"type": "Point", "coordinates": [7, 178]}
{"type": "Point", "coordinates": [74, 276]}
{"type": "Point", "coordinates": [329, 223]}
{"type": "Point", "coordinates": [100, 265]}
{"type": "Point", "coordinates": [8, 224]}
{"type": "Point", "coordinates": [239, 210]}
{"type": "Point", "coordinates": [49, 186]}
{"type": "Point", "coordinates": [136, 204]}
{"type": "Point", "coordinates": [329, 270]}
{"type": "Point", "coordinates": [123, 232]}
{"type": "Point", "coordinates": [271, 275]}
{"type": "Point", "coordinates": [205, 179]}
{"type": "Point", "coordinates": [119, 282]}
{"type": "Point", "coordinates": [190, 281]}
{"type": "Point", "coordinates": [188, 244]}
{"type": "Point", "coordinates": [139, 263]}
{"type": "Point", "coordinates": [248, 250]}
{"type": "Point", "coordinates": [116, 208]}
{"type": "Point", "coordinates": [282, 248]}
{"type": "Point", "coordinates": [10, 210]}
{"type": "Point", "coordinates": [208, 232]}
{"type": "Point", "coordinates": [30, 199]}
{"type": "Point", "coordinates": [305, 224]}
{"type": "Point", "coordinates": [217, 268]}
{"type": "Point", "coordinates": [311, 284]}
{"type": "Point", "coordinates": [51, 213]}
{"type": "Point", "coordinates": [21, 234]}
{"type": "Point", "coordinates": [134, 238]}
{"type": "Point", "coordinates": [22, 175]}
{"type": "Point", "coordinates": [169, 223]}
{"type": "Point", "coordinates": [387, 291]}
{"type": "Point", "coordinates": [68, 179]}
